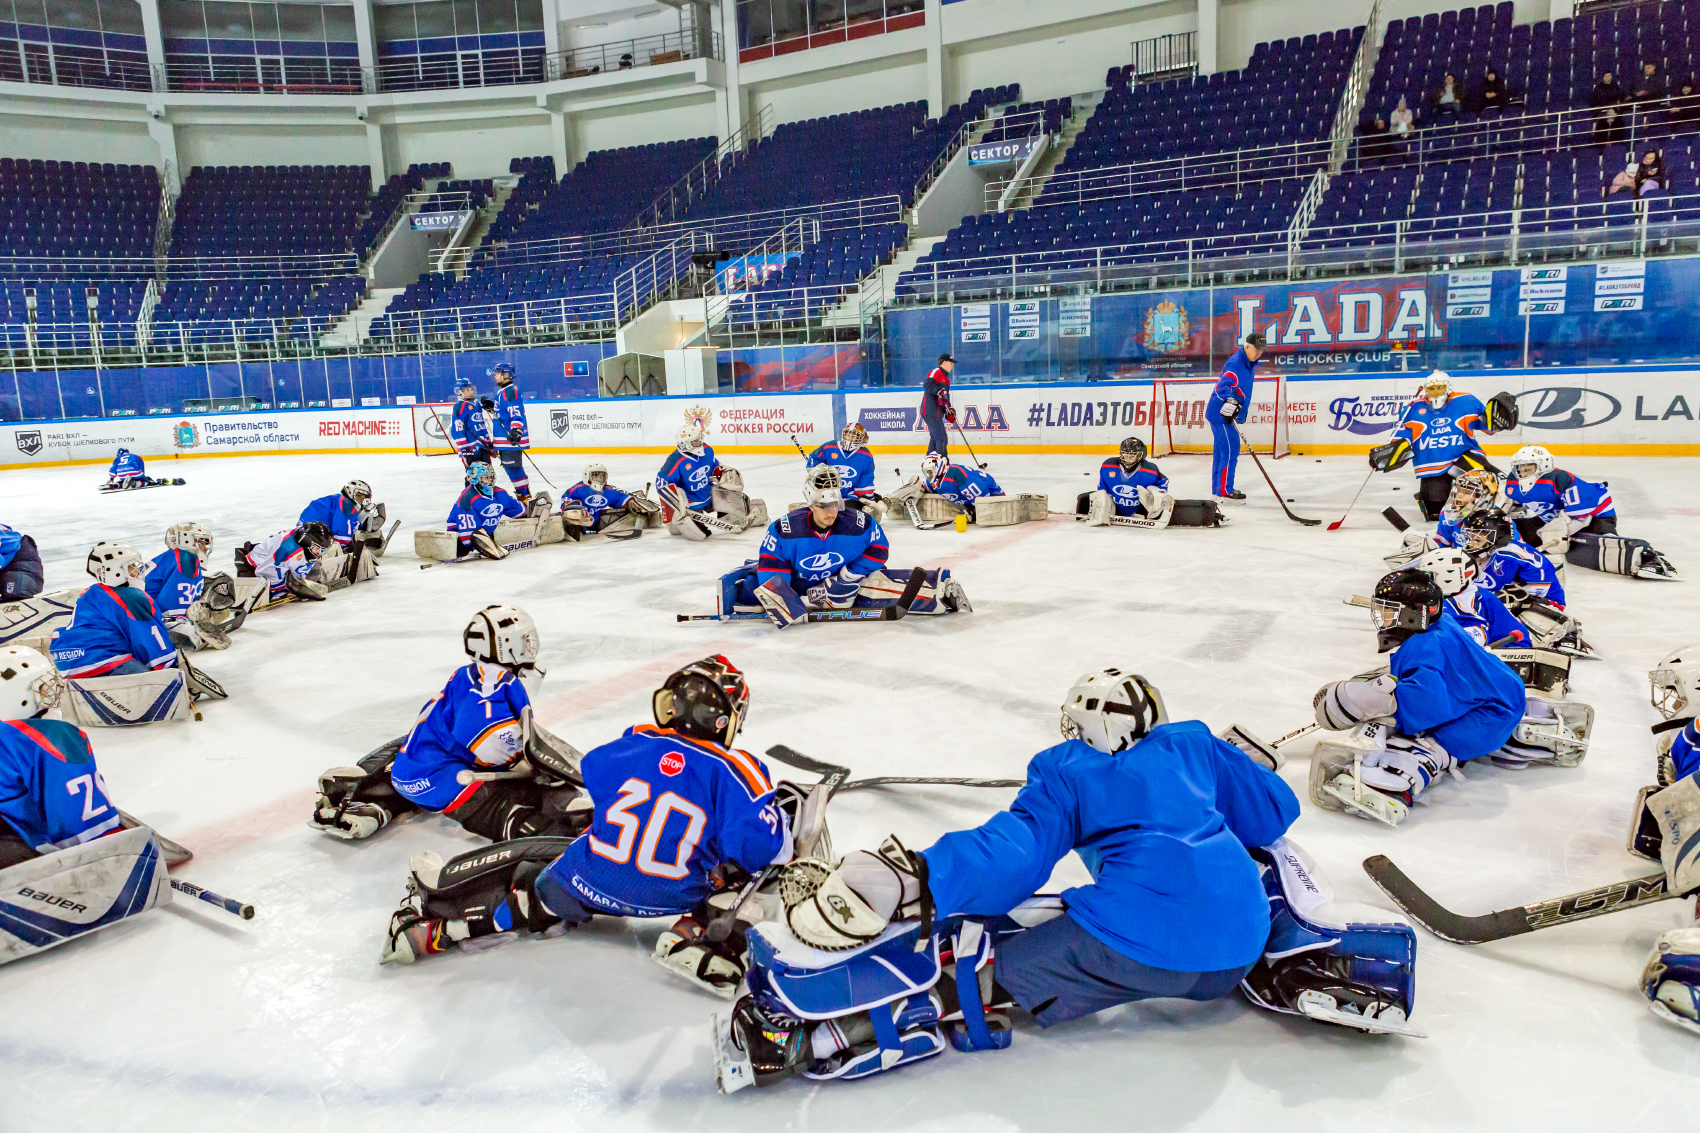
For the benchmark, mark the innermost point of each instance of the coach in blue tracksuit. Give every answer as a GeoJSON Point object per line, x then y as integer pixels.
{"type": "Point", "coordinates": [1228, 408]}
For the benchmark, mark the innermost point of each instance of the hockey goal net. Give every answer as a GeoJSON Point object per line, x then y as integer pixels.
{"type": "Point", "coordinates": [1179, 423]}
{"type": "Point", "coordinates": [430, 420]}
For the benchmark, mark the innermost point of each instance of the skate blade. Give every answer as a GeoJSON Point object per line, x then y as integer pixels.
{"type": "Point", "coordinates": [1365, 1023]}
{"type": "Point", "coordinates": [1362, 810]}
{"type": "Point", "coordinates": [721, 992]}
{"type": "Point", "coordinates": [732, 1071]}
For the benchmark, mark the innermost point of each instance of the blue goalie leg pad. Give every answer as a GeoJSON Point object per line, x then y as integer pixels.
{"type": "Point", "coordinates": [972, 949]}
{"type": "Point", "coordinates": [738, 590]}
{"type": "Point", "coordinates": [903, 1032]}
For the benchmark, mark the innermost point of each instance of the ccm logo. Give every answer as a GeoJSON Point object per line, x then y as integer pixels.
{"type": "Point", "coordinates": [672, 763]}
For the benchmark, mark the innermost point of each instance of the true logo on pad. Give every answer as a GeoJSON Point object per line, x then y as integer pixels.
{"type": "Point", "coordinates": [672, 763]}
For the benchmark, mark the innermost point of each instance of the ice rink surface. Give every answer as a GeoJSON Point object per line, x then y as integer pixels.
{"type": "Point", "coordinates": [189, 1019]}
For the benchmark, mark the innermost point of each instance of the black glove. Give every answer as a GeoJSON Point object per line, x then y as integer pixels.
{"type": "Point", "coordinates": [487, 405]}
{"type": "Point", "coordinates": [514, 434]}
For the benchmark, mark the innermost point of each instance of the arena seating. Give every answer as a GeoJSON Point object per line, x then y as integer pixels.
{"type": "Point", "coordinates": [60, 304]}
{"type": "Point", "coordinates": [383, 205]}
{"type": "Point", "coordinates": [608, 188]}
{"type": "Point", "coordinates": [820, 277]}
{"type": "Point", "coordinates": [293, 210]}
{"type": "Point", "coordinates": [536, 181]}
{"type": "Point", "coordinates": [75, 209]}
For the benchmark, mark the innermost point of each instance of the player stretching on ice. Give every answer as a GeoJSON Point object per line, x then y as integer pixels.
{"type": "Point", "coordinates": [1227, 409]}
{"type": "Point", "coordinates": [478, 510]}
{"type": "Point", "coordinates": [286, 561]}
{"type": "Point", "coordinates": [957, 483]}
{"type": "Point", "coordinates": [510, 434]}
{"type": "Point", "coordinates": [675, 807]}
{"type": "Point", "coordinates": [127, 471]}
{"type": "Point", "coordinates": [175, 582]}
{"type": "Point", "coordinates": [855, 465]}
{"type": "Point", "coordinates": [1575, 519]}
{"type": "Point", "coordinates": [51, 794]}
{"type": "Point", "coordinates": [1132, 487]}
{"type": "Point", "coordinates": [115, 630]}
{"type": "Point", "coordinates": [603, 507]}
{"type": "Point", "coordinates": [1666, 827]}
{"type": "Point", "coordinates": [699, 495]}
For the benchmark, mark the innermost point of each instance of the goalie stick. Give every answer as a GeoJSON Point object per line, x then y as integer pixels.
{"type": "Point", "coordinates": [914, 513]}
{"type": "Point", "coordinates": [1391, 515]}
{"type": "Point", "coordinates": [236, 908]}
{"type": "Point", "coordinates": [1278, 497]}
{"type": "Point", "coordinates": [378, 551]}
{"type": "Point", "coordinates": [891, 613]}
{"type": "Point", "coordinates": [470, 555]}
{"type": "Point", "coordinates": [1515, 921]}
{"type": "Point", "coordinates": [803, 763]}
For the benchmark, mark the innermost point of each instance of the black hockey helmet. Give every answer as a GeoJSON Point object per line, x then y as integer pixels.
{"type": "Point", "coordinates": [1486, 531]}
{"type": "Point", "coordinates": [1405, 602]}
{"type": "Point", "coordinates": [706, 699]}
{"type": "Point", "coordinates": [1133, 453]}
{"type": "Point", "coordinates": [314, 538]}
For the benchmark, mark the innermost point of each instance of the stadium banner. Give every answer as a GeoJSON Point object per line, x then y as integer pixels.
{"type": "Point", "coordinates": [731, 423]}
{"type": "Point", "coordinates": [28, 444]}
{"type": "Point", "coordinates": [437, 221]}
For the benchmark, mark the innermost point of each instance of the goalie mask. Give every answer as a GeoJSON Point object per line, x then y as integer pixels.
{"type": "Point", "coordinates": [1676, 683]}
{"type": "Point", "coordinates": [1405, 602]}
{"type": "Point", "coordinates": [117, 564]}
{"type": "Point", "coordinates": [479, 476]}
{"type": "Point", "coordinates": [358, 492]}
{"type": "Point", "coordinates": [1529, 464]}
{"type": "Point", "coordinates": [706, 699]}
{"type": "Point", "coordinates": [853, 437]}
{"type": "Point", "coordinates": [933, 468]}
{"type": "Point", "coordinates": [191, 537]}
{"type": "Point", "coordinates": [1474, 490]}
{"type": "Point", "coordinates": [1132, 454]}
{"type": "Point", "coordinates": [314, 538]}
{"type": "Point", "coordinates": [596, 475]}
{"type": "Point", "coordinates": [29, 684]}
{"type": "Point", "coordinates": [1451, 569]}
{"type": "Point", "coordinates": [1486, 531]}
{"type": "Point", "coordinates": [691, 439]}
{"type": "Point", "coordinates": [823, 487]}
{"type": "Point", "coordinates": [1437, 388]}
{"type": "Point", "coordinates": [502, 635]}
{"type": "Point", "coordinates": [1111, 710]}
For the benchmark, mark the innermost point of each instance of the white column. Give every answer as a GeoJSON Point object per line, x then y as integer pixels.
{"type": "Point", "coordinates": [164, 135]}
{"type": "Point", "coordinates": [1562, 10]}
{"type": "Point", "coordinates": [375, 155]}
{"type": "Point", "coordinates": [561, 139]}
{"type": "Point", "coordinates": [551, 37]}
{"type": "Point", "coordinates": [366, 37]}
{"type": "Point", "coordinates": [1207, 16]}
{"type": "Point", "coordinates": [731, 97]}
{"type": "Point", "coordinates": [154, 37]}
{"type": "Point", "coordinates": [937, 104]}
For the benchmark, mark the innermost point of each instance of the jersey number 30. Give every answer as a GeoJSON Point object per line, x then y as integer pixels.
{"type": "Point", "coordinates": [635, 792]}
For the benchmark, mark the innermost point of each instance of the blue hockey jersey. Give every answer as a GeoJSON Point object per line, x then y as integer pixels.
{"type": "Point", "coordinates": [10, 541]}
{"type": "Point", "coordinates": [471, 429]}
{"type": "Point", "coordinates": [1162, 828]}
{"type": "Point", "coordinates": [276, 556]}
{"type": "Point", "coordinates": [125, 465]}
{"type": "Point", "coordinates": [670, 811]}
{"type": "Point", "coordinates": [1124, 486]}
{"type": "Point", "coordinates": [962, 486]}
{"type": "Point", "coordinates": [593, 500]}
{"type": "Point", "coordinates": [1519, 563]}
{"type": "Point", "coordinates": [1236, 382]}
{"type": "Point", "coordinates": [474, 510]}
{"type": "Point", "coordinates": [510, 411]}
{"type": "Point", "coordinates": [174, 583]}
{"type": "Point", "coordinates": [693, 475]}
{"type": "Point", "coordinates": [1685, 751]}
{"type": "Point", "coordinates": [112, 625]}
{"type": "Point", "coordinates": [799, 554]}
{"type": "Point", "coordinates": [51, 793]}
{"type": "Point", "coordinates": [1440, 436]}
{"type": "Point", "coordinates": [473, 723]}
{"type": "Point", "coordinates": [339, 513]}
{"type": "Point", "coordinates": [1558, 491]}
{"type": "Point", "coordinates": [1451, 688]}
{"type": "Point", "coordinates": [1484, 617]}
{"type": "Point", "coordinates": [855, 470]}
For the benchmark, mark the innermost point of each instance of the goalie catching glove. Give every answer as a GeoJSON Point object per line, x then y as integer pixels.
{"type": "Point", "coordinates": [843, 908]}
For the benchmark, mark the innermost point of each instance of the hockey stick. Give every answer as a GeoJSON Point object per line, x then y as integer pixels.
{"type": "Point", "coordinates": [800, 451]}
{"type": "Point", "coordinates": [972, 455]}
{"type": "Point", "coordinates": [908, 781]}
{"type": "Point", "coordinates": [524, 455]}
{"type": "Point", "coordinates": [1278, 497]}
{"type": "Point", "coordinates": [378, 551]}
{"type": "Point", "coordinates": [891, 613]}
{"type": "Point", "coordinates": [1514, 921]}
{"type": "Point", "coordinates": [915, 516]}
{"type": "Point", "coordinates": [1335, 526]}
{"type": "Point", "coordinates": [238, 908]}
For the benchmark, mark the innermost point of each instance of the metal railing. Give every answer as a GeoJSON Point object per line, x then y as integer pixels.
{"type": "Point", "coordinates": [657, 277]}
{"type": "Point", "coordinates": [1345, 123]}
{"type": "Point", "coordinates": [672, 202]}
{"type": "Point", "coordinates": [1165, 57]}
{"type": "Point", "coordinates": [625, 55]}
{"type": "Point", "coordinates": [48, 68]}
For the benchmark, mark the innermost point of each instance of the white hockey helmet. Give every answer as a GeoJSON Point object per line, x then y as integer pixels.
{"type": "Point", "coordinates": [29, 684]}
{"type": "Point", "coordinates": [933, 467]}
{"type": "Point", "coordinates": [1437, 388]}
{"type": "Point", "coordinates": [1676, 683]}
{"type": "Point", "coordinates": [1529, 464]}
{"type": "Point", "coordinates": [853, 437]}
{"type": "Point", "coordinates": [1451, 569]}
{"type": "Point", "coordinates": [191, 537]}
{"type": "Point", "coordinates": [358, 490]}
{"type": "Point", "coordinates": [823, 487]}
{"type": "Point", "coordinates": [592, 471]}
{"type": "Point", "coordinates": [1111, 709]}
{"type": "Point", "coordinates": [691, 439]}
{"type": "Point", "coordinates": [117, 564]}
{"type": "Point", "coordinates": [502, 635]}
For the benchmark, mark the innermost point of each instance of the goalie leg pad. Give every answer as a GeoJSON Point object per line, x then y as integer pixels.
{"type": "Point", "coordinates": [41, 616]}
{"type": "Point", "coordinates": [1551, 732]}
{"type": "Point", "coordinates": [729, 502]}
{"type": "Point", "coordinates": [939, 594]}
{"type": "Point", "coordinates": [1671, 979]}
{"type": "Point", "coordinates": [1348, 964]}
{"type": "Point", "coordinates": [1609, 554]}
{"type": "Point", "coordinates": [1002, 511]}
{"type": "Point", "coordinates": [738, 591]}
{"type": "Point", "coordinates": [1096, 508]}
{"type": "Point", "coordinates": [1336, 776]}
{"type": "Point", "coordinates": [1677, 809]}
{"type": "Point", "coordinates": [131, 698]}
{"type": "Point", "coordinates": [1196, 513]}
{"type": "Point", "coordinates": [780, 603]}
{"type": "Point", "coordinates": [69, 893]}
{"type": "Point", "coordinates": [1341, 705]}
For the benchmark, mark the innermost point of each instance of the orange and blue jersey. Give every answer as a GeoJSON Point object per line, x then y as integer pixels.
{"type": "Point", "coordinates": [800, 555]}
{"type": "Point", "coordinates": [1440, 436]}
{"type": "Point", "coordinates": [692, 475]}
{"type": "Point", "coordinates": [174, 583]}
{"type": "Point", "coordinates": [1559, 492]}
{"type": "Point", "coordinates": [855, 470]}
{"type": "Point", "coordinates": [112, 625]}
{"type": "Point", "coordinates": [473, 724]}
{"type": "Point", "coordinates": [510, 411]}
{"type": "Point", "coordinates": [51, 793]}
{"type": "Point", "coordinates": [338, 512]}
{"type": "Point", "coordinates": [671, 810]}
{"type": "Point", "coordinates": [1124, 486]}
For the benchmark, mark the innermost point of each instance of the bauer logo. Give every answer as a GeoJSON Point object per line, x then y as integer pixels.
{"type": "Point", "coordinates": [185, 435]}
{"type": "Point", "coordinates": [560, 420]}
{"type": "Point", "coordinates": [29, 441]}
{"type": "Point", "coordinates": [1565, 407]}
{"type": "Point", "coordinates": [830, 560]}
{"type": "Point", "coordinates": [672, 763]}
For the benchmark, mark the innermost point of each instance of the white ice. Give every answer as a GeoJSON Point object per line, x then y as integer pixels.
{"type": "Point", "coordinates": [189, 1019]}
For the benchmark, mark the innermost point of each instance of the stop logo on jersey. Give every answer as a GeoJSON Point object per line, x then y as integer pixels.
{"type": "Point", "coordinates": [672, 763]}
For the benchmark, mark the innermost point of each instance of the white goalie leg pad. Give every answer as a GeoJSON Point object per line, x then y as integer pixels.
{"type": "Point", "coordinates": [1100, 508]}
{"type": "Point", "coordinates": [730, 479]}
{"type": "Point", "coordinates": [1671, 978]}
{"type": "Point", "coordinates": [435, 546]}
{"type": "Point", "coordinates": [551, 529]}
{"type": "Point", "coordinates": [1346, 704]}
{"type": "Point", "coordinates": [1159, 505]}
{"type": "Point", "coordinates": [1336, 775]}
{"type": "Point", "coordinates": [683, 950]}
{"type": "Point", "coordinates": [730, 502]}
{"type": "Point", "coordinates": [1677, 811]}
{"type": "Point", "coordinates": [1335, 962]}
{"type": "Point", "coordinates": [70, 893]}
{"type": "Point", "coordinates": [39, 617]}
{"type": "Point", "coordinates": [757, 516]}
{"type": "Point", "coordinates": [133, 698]}
{"type": "Point", "coordinates": [999, 511]}
{"type": "Point", "coordinates": [1553, 732]}
{"type": "Point", "coordinates": [1406, 765]}
{"type": "Point", "coordinates": [912, 491]}
{"type": "Point", "coordinates": [251, 592]}
{"type": "Point", "coordinates": [332, 567]}
{"type": "Point", "coordinates": [936, 509]}
{"type": "Point", "coordinates": [365, 563]}
{"type": "Point", "coordinates": [521, 529]}
{"type": "Point", "coordinates": [1414, 546]}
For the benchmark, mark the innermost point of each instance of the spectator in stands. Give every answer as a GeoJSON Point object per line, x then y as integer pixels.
{"type": "Point", "coordinates": [1651, 177]}
{"type": "Point", "coordinates": [1491, 95]}
{"type": "Point", "coordinates": [1685, 104]}
{"type": "Point", "coordinates": [1605, 98]}
{"type": "Point", "coordinates": [626, 62]}
{"type": "Point", "coordinates": [1402, 121]}
{"type": "Point", "coordinates": [1650, 87]}
{"type": "Point", "coordinates": [1448, 99]}
{"type": "Point", "coordinates": [1376, 143]}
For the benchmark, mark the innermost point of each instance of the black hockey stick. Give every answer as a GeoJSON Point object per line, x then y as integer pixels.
{"type": "Point", "coordinates": [799, 445]}
{"type": "Point", "coordinates": [891, 613]}
{"type": "Point", "coordinates": [524, 455]}
{"type": "Point", "coordinates": [972, 455]}
{"type": "Point", "coordinates": [803, 763]}
{"type": "Point", "coordinates": [1278, 497]}
{"type": "Point", "coordinates": [832, 778]}
{"type": "Point", "coordinates": [1515, 921]}
{"type": "Point", "coordinates": [237, 908]}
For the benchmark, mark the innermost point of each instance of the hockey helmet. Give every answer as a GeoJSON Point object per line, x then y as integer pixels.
{"type": "Point", "coordinates": [823, 487]}
{"type": "Point", "coordinates": [503, 373]}
{"type": "Point", "coordinates": [1486, 531]}
{"type": "Point", "coordinates": [1111, 710]}
{"type": "Point", "coordinates": [314, 538]}
{"type": "Point", "coordinates": [29, 684]}
{"type": "Point", "coordinates": [117, 564]}
{"type": "Point", "coordinates": [933, 467]}
{"type": "Point", "coordinates": [358, 491]}
{"type": "Point", "coordinates": [465, 390]}
{"type": "Point", "coordinates": [854, 437]}
{"type": "Point", "coordinates": [502, 635]}
{"type": "Point", "coordinates": [1451, 569]}
{"type": "Point", "coordinates": [1437, 388]}
{"type": "Point", "coordinates": [1529, 464]}
{"type": "Point", "coordinates": [1405, 602]}
{"type": "Point", "coordinates": [707, 699]}
{"type": "Point", "coordinates": [1133, 453]}
{"type": "Point", "coordinates": [1676, 683]}
{"type": "Point", "coordinates": [691, 439]}
{"type": "Point", "coordinates": [479, 475]}
{"type": "Point", "coordinates": [191, 537]}
{"type": "Point", "coordinates": [596, 475]}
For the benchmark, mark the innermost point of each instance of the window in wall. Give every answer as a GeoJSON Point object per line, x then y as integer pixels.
{"type": "Point", "coordinates": [89, 43]}
{"type": "Point", "coordinates": [778, 27]}
{"type": "Point", "coordinates": [438, 44]}
{"type": "Point", "coordinates": [234, 45]}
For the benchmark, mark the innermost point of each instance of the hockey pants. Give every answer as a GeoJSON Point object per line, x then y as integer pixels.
{"type": "Point", "coordinates": [1224, 450]}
